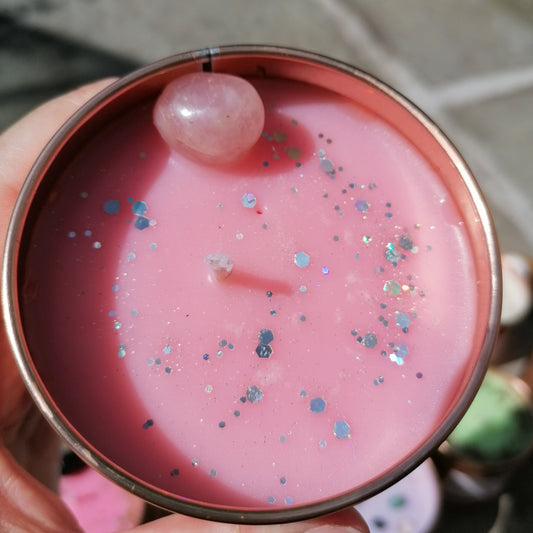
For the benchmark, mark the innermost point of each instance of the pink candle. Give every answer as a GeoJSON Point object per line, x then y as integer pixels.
{"type": "Point", "coordinates": [331, 356]}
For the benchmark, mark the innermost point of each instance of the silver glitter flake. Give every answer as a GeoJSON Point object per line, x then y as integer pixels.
{"type": "Point", "coordinates": [391, 253]}
{"type": "Point", "coordinates": [265, 336]}
{"type": "Point", "coordinates": [362, 206]}
{"type": "Point", "coordinates": [326, 165]}
{"type": "Point", "coordinates": [254, 394]}
{"type": "Point", "coordinates": [317, 405]}
{"type": "Point", "coordinates": [406, 242]}
{"type": "Point", "coordinates": [248, 200]}
{"type": "Point", "coordinates": [402, 319]}
{"type": "Point", "coordinates": [341, 429]}
{"type": "Point", "coordinates": [392, 288]}
{"type": "Point", "coordinates": [301, 259]}
{"type": "Point", "coordinates": [264, 351]}
{"type": "Point", "coordinates": [370, 340]}
{"type": "Point", "coordinates": [399, 353]}
{"type": "Point", "coordinates": [139, 208]}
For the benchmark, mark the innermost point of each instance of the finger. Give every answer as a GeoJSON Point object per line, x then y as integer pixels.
{"type": "Point", "coordinates": [347, 521]}
{"type": "Point", "coordinates": [36, 447]}
{"type": "Point", "coordinates": [26, 505]}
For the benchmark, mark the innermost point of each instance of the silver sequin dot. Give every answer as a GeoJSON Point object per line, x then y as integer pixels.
{"type": "Point", "coordinates": [265, 336]}
{"type": "Point", "coordinates": [248, 200]}
{"type": "Point", "coordinates": [402, 320]}
{"type": "Point", "coordinates": [141, 223]}
{"type": "Point", "coordinates": [399, 353]}
{"type": "Point", "coordinates": [341, 429]}
{"type": "Point", "coordinates": [362, 206]}
{"type": "Point", "coordinates": [406, 242]}
{"type": "Point", "coordinates": [263, 351]}
{"type": "Point", "coordinates": [254, 394]}
{"type": "Point", "coordinates": [370, 340]}
{"type": "Point", "coordinates": [112, 207]}
{"type": "Point", "coordinates": [392, 288]}
{"type": "Point", "coordinates": [391, 253]}
{"type": "Point", "coordinates": [139, 208]}
{"type": "Point", "coordinates": [326, 166]}
{"type": "Point", "coordinates": [301, 259]}
{"type": "Point", "coordinates": [317, 405]}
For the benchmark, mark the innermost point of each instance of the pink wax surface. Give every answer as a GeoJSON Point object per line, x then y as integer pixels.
{"type": "Point", "coordinates": [348, 250]}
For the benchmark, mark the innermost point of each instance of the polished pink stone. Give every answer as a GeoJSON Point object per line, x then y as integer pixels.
{"type": "Point", "coordinates": [212, 116]}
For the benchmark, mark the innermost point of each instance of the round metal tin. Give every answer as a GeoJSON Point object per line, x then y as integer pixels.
{"type": "Point", "coordinates": [252, 61]}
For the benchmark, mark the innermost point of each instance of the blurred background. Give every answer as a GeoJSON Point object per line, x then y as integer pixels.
{"type": "Point", "coordinates": [466, 63]}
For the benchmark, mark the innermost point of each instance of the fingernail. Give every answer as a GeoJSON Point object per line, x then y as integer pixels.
{"type": "Point", "coordinates": [332, 529]}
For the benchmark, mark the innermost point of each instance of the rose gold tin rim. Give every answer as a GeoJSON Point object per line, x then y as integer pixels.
{"type": "Point", "coordinates": [148, 81]}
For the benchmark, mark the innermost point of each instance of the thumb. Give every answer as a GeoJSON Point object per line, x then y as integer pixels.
{"type": "Point", "coordinates": [346, 521]}
{"type": "Point", "coordinates": [26, 505]}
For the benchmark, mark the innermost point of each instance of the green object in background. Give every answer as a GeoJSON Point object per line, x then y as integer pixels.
{"type": "Point", "coordinates": [497, 427]}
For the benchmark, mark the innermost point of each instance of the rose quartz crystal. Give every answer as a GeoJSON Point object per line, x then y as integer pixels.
{"type": "Point", "coordinates": [214, 117]}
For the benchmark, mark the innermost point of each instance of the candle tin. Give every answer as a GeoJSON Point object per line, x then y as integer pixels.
{"type": "Point", "coordinates": [42, 372]}
{"type": "Point", "coordinates": [490, 442]}
{"type": "Point", "coordinates": [413, 504]}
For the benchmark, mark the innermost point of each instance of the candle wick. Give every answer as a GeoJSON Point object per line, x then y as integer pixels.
{"type": "Point", "coordinates": [221, 265]}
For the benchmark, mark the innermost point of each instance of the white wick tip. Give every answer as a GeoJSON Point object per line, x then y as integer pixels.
{"type": "Point", "coordinates": [220, 264]}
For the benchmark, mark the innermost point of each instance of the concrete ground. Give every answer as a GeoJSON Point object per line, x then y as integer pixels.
{"type": "Point", "coordinates": [467, 63]}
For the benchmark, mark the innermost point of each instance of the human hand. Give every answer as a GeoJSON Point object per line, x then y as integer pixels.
{"type": "Point", "coordinates": [29, 450]}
